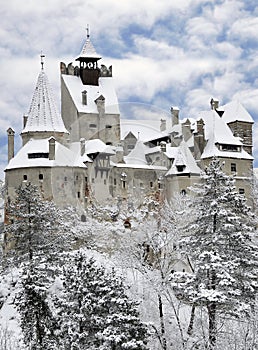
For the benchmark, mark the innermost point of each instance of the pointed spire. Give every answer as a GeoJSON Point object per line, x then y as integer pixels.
{"type": "Point", "coordinates": [43, 115]}
{"type": "Point", "coordinates": [88, 50]}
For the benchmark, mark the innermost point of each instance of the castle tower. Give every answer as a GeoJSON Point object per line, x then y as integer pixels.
{"type": "Point", "coordinates": [43, 120]}
{"type": "Point", "coordinates": [89, 104]}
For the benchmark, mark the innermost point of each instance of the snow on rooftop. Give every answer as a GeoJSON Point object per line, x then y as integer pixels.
{"type": "Point", "coordinates": [145, 130]}
{"type": "Point", "coordinates": [216, 128]}
{"type": "Point", "coordinates": [63, 156]}
{"type": "Point", "coordinates": [98, 146]}
{"type": "Point", "coordinates": [234, 111]}
{"type": "Point", "coordinates": [106, 88]}
{"type": "Point", "coordinates": [137, 155]}
{"type": "Point", "coordinates": [88, 50]}
{"type": "Point", "coordinates": [43, 115]}
{"type": "Point", "coordinates": [184, 158]}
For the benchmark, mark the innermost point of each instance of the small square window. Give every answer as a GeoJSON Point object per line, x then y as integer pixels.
{"type": "Point", "coordinates": [25, 177]}
{"type": "Point", "coordinates": [241, 191]}
{"type": "Point", "coordinates": [233, 167]}
{"type": "Point", "coordinates": [41, 176]}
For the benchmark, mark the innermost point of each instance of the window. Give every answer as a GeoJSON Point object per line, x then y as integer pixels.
{"type": "Point", "coordinates": [123, 184]}
{"type": "Point", "coordinates": [41, 176]}
{"type": "Point", "coordinates": [109, 143]}
{"type": "Point", "coordinates": [65, 178]}
{"type": "Point", "coordinates": [241, 191]}
{"type": "Point", "coordinates": [151, 184]}
{"type": "Point", "coordinates": [233, 167]}
{"type": "Point", "coordinates": [38, 155]}
{"type": "Point", "coordinates": [180, 168]}
{"type": "Point", "coordinates": [92, 125]}
{"type": "Point", "coordinates": [78, 194]}
{"type": "Point", "coordinates": [108, 126]}
{"type": "Point", "coordinates": [230, 148]}
{"type": "Point", "coordinates": [25, 177]}
{"type": "Point", "coordinates": [93, 180]}
{"type": "Point", "coordinates": [130, 147]}
{"type": "Point", "coordinates": [86, 179]}
{"type": "Point", "coordinates": [105, 181]}
{"type": "Point", "coordinates": [83, 218]}
{"type": "Point", "coordinates": [183, 192]}
{"type": "Point", "coordinates": [114, 182]}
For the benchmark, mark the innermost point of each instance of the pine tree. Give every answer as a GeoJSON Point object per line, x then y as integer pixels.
{"type": "Point", "coordinates": [222, 250]}
{"type": "Point", "coordinates": [35, 226]}
{"type": "Point", "coordinates": [36, 319]}
{"type": "Point", "coordinates": [94, 311]}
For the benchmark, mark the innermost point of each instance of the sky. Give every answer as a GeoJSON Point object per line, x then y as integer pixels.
{"type": "Point", "coordinates": [164, 53]}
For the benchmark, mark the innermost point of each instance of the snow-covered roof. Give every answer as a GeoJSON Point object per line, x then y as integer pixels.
{"type": "Point", "coordinates": [105, 88]}
{"type": "Point", "coordinates": [234, 111]}
{"type": "Point", "coordinates": [138, 166]}
{"type": "Point", "coordinates": [184, 158]}
{"type": "Point", "coordinates": [43, 115]}
{"type": "Point", "coordinates": [88, 51]}
{"type": "Point", "coordinates": [63, 156]}
{"type": "Point", "coordinates": [171, 152]}
{"type": "Point", "coordinates": [211, 150]}
{"type": "Point", "coordinates": [145, 130]}
{"type": "Point", "coordinates": [216, 128]}
{"type": "Point", "coordinates": [98, 146]}
{"type": "Point", "coordinates": [137, 155]}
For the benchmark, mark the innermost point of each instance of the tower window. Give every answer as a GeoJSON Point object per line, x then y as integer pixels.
{"type": "Point", "coordinates": [233, 167]}
{"type": "Point", "coordinates": [41, 176]}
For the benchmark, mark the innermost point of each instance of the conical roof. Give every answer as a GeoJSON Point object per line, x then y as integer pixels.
{"type": "Point", "coordinates": [88, 51]}
{"type": "Point", "coordinates": [43, 115]}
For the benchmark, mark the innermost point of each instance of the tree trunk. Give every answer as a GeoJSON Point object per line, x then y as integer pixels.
{"type": "Point", "coordinates": [162, 324]}
{"type": "Point", "coordinates": [212, 325]}
{"type": "Point", "coordinates": [191, 322]}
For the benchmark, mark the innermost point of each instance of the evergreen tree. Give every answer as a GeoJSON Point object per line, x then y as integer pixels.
{"type": "Point", "coordinates": [36, 318]}
{"type": "Point", "coordinates": [93, 310]}
{"type": "Point", "coordinates": [35, 226]}
{"type": "Point", "coordinates": [222, 250]}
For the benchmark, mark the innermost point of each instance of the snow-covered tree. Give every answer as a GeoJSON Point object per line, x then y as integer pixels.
{"type": "Point", "coordinates": [222, 250]}
{"type": "Point", "coordinates": [36, 226]}
{"type": "Point", "coordinates": [36, 319]}
{"type": "Point", "coordinates": [93, 310]}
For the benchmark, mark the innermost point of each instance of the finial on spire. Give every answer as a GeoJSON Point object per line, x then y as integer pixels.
{"type": "Point", "coordinates": [88, 31]}
{"type": "Point", "coordinates": [42, 61]}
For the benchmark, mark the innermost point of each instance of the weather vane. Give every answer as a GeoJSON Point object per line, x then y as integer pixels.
{"type": "Point", "coordinates": [88, 31]}
{"type": "Point", "coordinates": [42, 60]}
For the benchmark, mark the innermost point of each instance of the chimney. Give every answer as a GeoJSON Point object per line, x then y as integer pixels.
{"type": "Point", "coordinates": [186, 130]}
{"type": "Point", "coordinates": [163, 124]}
{"type": "Point", "coordinates": [120, 153]}
{"type": "Point", "coordinates": [10, 133]}
{"type": "Point", "coordinates": [163, 146]}
{"type": "Point", "coordinates": [175, 115]}
{"type": "Point", "coordinates": [214, 103]}
{"type": "Point", "coordinates": [84, 98]}
{"type": "Point", "coordinates": [82, 142]}
{"type": "Point", "coordinates": [199, 141]}
{"type": "Point", "coordinates": [25, 119]}
{"type": "Point", "coordinates": [100, 102]}
{"type": "Point", "coordinates": [52, 148]}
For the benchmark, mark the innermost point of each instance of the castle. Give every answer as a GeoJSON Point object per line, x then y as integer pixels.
{"type": "Point", "coordinates": [90, 153]}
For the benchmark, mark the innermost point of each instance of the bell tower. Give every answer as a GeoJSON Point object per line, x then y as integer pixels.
{"type": "Point", "coordinates": [88, 68]}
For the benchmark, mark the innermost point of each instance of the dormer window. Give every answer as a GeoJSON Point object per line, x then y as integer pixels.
{"type": "Point", "coordinates": [230, 148]}
{"type": "Point", "coordinates": [180, 168]}
{"type": "Point", "coordinates": [38, 155]}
